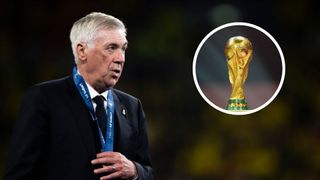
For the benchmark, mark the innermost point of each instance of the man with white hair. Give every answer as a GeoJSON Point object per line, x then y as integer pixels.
{"type": "Point", "coordinates": [80, 127]}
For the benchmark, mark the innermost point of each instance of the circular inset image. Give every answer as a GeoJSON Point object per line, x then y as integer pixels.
{"type": "Point", "coordinates": [238, 68]}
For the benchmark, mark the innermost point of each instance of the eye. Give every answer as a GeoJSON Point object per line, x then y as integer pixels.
{"type": "Point", "coordinates": [112, 47]}
{"type": "Point", "coordinates": [124, 48]}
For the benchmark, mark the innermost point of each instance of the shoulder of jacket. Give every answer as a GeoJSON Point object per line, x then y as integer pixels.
{"type": "Point", "coordinates": [52, 83]}
{"type": "Point", "coordinates": [123, 95]}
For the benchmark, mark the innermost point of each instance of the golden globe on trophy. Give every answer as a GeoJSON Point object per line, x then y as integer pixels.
{"type": "Point", "coordinates": [238, 51]}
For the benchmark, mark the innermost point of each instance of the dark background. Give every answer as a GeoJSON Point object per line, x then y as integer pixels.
{"type": "Point", "coordinates": [188, 138]}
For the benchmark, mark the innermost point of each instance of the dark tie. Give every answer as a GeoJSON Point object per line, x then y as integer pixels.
{"type": "Point", "coordinates": [101, 113]}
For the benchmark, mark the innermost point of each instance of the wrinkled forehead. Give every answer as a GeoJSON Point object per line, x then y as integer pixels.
{"type": "Point", "coordinates": [115, 35]}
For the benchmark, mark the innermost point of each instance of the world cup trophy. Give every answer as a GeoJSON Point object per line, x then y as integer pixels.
{"type": "Point", "coordinates": [238, 51]}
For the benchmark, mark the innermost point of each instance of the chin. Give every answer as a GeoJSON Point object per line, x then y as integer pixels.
{"type": "Point", "coordinates": [112, 83]}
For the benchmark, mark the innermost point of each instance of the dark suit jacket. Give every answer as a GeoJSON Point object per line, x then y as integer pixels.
{"type": "Point", "coordinates": [56, 138]}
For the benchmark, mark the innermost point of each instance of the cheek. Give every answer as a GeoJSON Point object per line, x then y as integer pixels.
{"type": "Point", "coordinates": [105, 58]}
{"type": "Point", "coordinates": [101, 61]}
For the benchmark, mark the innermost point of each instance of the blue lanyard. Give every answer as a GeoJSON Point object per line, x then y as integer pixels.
{"type": "Point", "coordinates": [106, 144]}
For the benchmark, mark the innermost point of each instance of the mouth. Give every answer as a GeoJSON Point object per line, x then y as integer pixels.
{"type": "Point", "coordinates": [116, 73]}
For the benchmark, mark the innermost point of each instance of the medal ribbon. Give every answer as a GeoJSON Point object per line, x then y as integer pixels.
{"type": "Point", "coordinates": [106, 143]}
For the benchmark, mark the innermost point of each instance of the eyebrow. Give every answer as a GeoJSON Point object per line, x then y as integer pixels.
{"type": "Point", "coordinates": [117, 45]}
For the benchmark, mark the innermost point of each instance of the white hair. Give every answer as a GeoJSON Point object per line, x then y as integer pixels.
{"type": "Point", "coordinates": [84, 30]}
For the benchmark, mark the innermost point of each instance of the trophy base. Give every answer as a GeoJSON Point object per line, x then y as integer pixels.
{"type": "Point", "coordinates": [237, 105]}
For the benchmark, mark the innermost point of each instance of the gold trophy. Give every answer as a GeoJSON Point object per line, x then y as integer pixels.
{"type": "Point", "coordinates": [238, 51]}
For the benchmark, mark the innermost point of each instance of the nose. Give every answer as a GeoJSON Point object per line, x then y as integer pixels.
{"type": "Point", "coordinates": [120, 57]}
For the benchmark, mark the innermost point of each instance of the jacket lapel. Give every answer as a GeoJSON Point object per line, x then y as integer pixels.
{"type": "Point", "coordinates": [120, 122]}
{"type": "Point", "coordinates": [82, 118]}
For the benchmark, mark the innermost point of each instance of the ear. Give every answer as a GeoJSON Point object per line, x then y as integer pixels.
{"type": "Point", "coordinates": [82, 56]}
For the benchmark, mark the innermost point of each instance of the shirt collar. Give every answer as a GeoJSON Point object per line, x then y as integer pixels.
{"type": "Point", "coordinates": [94, 93]}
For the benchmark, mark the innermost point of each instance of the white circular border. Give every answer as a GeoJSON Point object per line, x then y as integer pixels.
{"type": "Point", "coordinates": [195, 75]}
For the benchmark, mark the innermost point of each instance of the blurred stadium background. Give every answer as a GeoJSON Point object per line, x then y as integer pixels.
{"type": "Point", "coordinates": [188, 138]}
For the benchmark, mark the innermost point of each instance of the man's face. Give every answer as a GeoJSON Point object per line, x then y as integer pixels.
{"type": "Point", "coordinates": [105, 57]}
